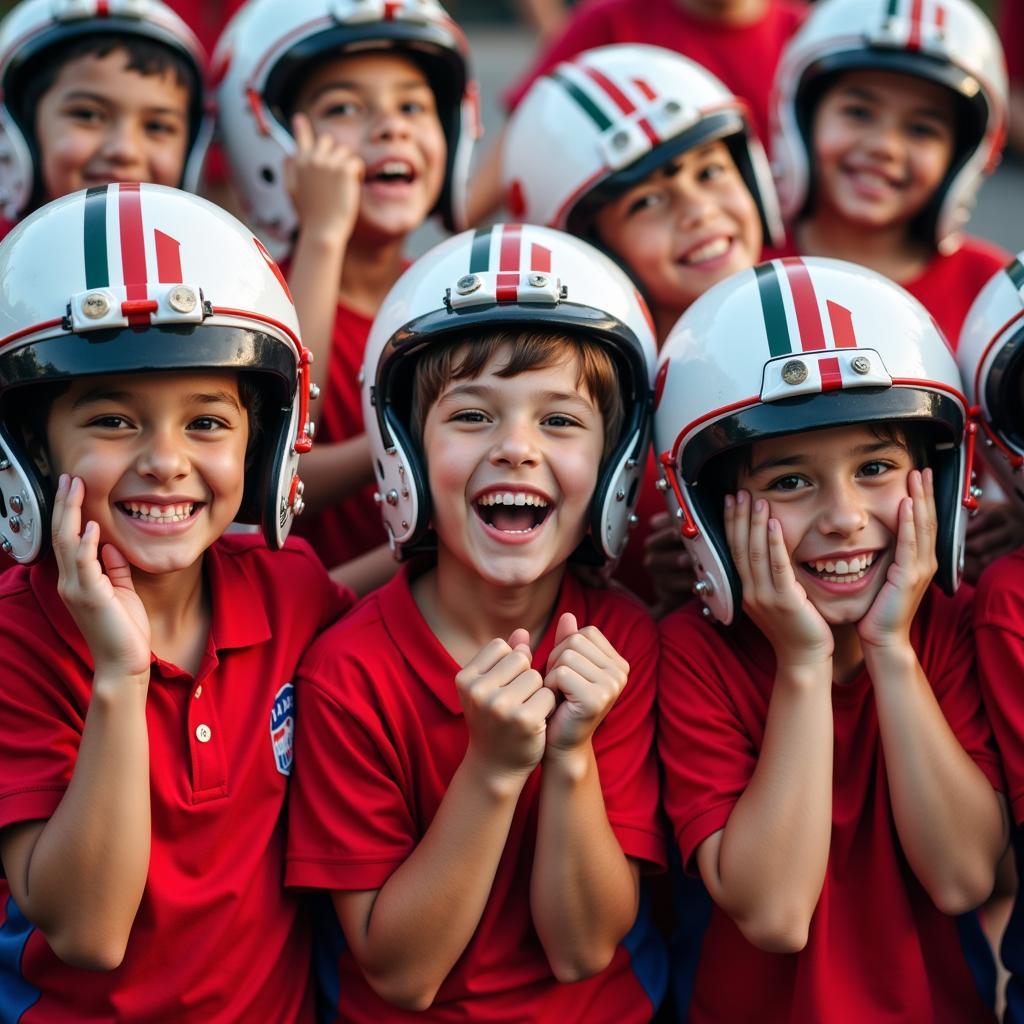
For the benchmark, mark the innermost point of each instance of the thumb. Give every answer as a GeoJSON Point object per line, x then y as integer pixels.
{"type": "Point", "coordinates": [566, 627]}
{"type": "Point", "coordinates": [519, 638]}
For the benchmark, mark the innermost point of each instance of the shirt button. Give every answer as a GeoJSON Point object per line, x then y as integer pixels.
{"type": "Point", "coordinates": [199, 692]}
{"type": "Point", "coordinates": [203, 733]}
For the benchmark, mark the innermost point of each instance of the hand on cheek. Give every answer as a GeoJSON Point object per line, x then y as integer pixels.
{"type": "Point", "coordinates": [772, 597]}
{"type": "Point", "coordinates": [887, 623]}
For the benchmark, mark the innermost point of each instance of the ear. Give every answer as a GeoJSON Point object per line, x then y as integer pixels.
{"type": "Point", "coordinates": [40, 457]}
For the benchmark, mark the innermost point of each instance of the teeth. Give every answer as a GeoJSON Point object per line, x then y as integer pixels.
{"type": "Point", "coordinates": [510, 498]}
{"type": "Point", "coordinates": [161, 513]}
{"type": "Point", "coordinates": [710, 250]}
{"type": "Point", "coordinates": [843, 567]}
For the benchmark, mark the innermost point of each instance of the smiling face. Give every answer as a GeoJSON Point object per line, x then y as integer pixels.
{"type": "Point", "coordinates": [101, 123]}
{"type": "Point", "coordinates": [162, 457]}
{"type": "Point", "coordinates": [381, 106]}
{"type": "Point", "coordinates": [689, 225]}
{"type": "Point", "coordinates": [512, 464]}
{"type": "Point", "coordinates": [882, 144]}
{"type": "Point", "coordinates": [837, 494]}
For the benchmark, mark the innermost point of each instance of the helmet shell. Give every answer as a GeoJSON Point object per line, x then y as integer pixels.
{"type": "Point", "coordinates": [34, 28]}
{"type": "Point", "coordinates": [138, 279]}
{"type": "Point", "coordinates": [949, 42]}
{"type": "Point", "coordinates": [611, 116]}
{"type": "Point", "coordinates": [991, 358]}
{"type": "Point", "coordinates": [795, 345]}
{"type": "Point", "coordinates": [505, 276]}
{"type": "Point", "coordinates": [268, 47]}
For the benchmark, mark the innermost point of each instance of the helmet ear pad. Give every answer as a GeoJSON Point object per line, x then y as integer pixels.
{"type": "Point", "coordinates": [23, 481]}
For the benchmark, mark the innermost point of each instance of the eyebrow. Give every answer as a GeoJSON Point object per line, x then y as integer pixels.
{"type": "Point", "coordinates": [488, 391]}
{"type": "Point", "coordinates": [98, 395]}
{"type": "Point", "coordinates": [412, 85]}
{"type": "Point", "coordinates": [85, 94]}
{"type": "Point", "coordinates": [796, 461]}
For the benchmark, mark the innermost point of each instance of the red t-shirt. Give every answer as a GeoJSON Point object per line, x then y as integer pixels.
{"type": "Point", "coordinates": [744, 57]}
{"type": "Point", "coordinates": [216, 938]}
{"type": "Point", "coordinates": [948, 285]}
{"type": "Point", "coordinates": [381, 733]}
{"type": "Point", "coordinates": [353, 526]}
{"type": "Point", "coordinates": [877, 949]}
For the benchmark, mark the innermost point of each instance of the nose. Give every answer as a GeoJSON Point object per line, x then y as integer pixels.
{"type": "Point", "coordinates": [885, 139]}
{"type": "Point", "coordinates": [123, 143]}
{"type": "Point", "coordinates": [515, 445]}
{"type": "Point", "coordinates": [693, 204]}
{"type": "Point", "coordinates": [843, 512]}
{"type": "Point", "coordinates": [388, 124]}
{"type": "Point", "coordinates": [162, 456]}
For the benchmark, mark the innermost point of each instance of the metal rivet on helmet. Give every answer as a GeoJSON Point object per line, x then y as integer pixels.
{"type": "Point", "coordinates": [861, 365]}
{"type": "Point", "coordinates": [96, 305]}
{"type": "Point", "coordinates": [468, 284]}
{"type": "Point", "coordinates": [794, 372]}
{"type": "Point", "coordinates": [182, 299]}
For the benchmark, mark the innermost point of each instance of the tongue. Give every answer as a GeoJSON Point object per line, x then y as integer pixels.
{"type": "Point", "coordinates": [512, 518]}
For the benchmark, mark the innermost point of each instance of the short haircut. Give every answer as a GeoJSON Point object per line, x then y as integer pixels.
{"type": "Point", "coordinates": [465, 358]}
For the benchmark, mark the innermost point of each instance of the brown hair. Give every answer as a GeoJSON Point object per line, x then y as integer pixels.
{"type": "Point", "coordinates": [465, 358]}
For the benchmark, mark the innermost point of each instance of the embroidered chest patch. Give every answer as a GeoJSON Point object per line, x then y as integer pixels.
{"type": "Point", "coordinates": [282, 728]}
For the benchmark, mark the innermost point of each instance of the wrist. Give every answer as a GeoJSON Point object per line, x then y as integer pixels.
{"type": "Point", "coordinates": [569, 764]}
{"type": "Point", "coordinates": [895, 656]}
{"type": "Point", "coordinates": [501, 782]}
{"type": "Point", "coordinates": [111, 688]}
{"type": "Point", "coordinates": [803, 673]}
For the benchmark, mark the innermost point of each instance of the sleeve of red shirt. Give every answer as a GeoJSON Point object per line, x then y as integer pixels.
{"type": "Point", "coordinates": [624, 743]}
{"type": "Point", "coordinates": [588, 27]}
{"type": "Point", "coordinates": [707, 755]}
{"type": "Point", "coordinates": [999, 638]}
{"type": "Point", "coordinates": [350, 824]}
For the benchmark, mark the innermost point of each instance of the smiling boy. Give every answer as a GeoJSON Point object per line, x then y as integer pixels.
{"type": "Point", "coordinates": [147, 662]}
{"type": "Point", "coordinates": [496, 713]}
{"type": "Point", "coordinates": [828, 770]}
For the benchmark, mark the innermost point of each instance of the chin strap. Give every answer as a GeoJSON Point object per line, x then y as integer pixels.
{"type": "Point", "coordinates": [688, 528]}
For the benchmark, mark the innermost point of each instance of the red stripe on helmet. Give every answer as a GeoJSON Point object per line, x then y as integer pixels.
{"type": "Point", "coordinates": [648, 92]}
{"type": "Point", "coordinates": [506, 288]}
{"type": "Point", "coordinates": [831, 376]}
{"type": "Point", "coordinates": [648, 129]}
{"type": "Point", "coordinates": [272, 263]}
{"type": "Point", "coordinates": [391, 8]}
{"type": "Point", "coordinates": [622, 101]}
{"type": "Point", "coordinates": [842, 325]}
{"type": "Point", "coordinates": [914, 39]}
{"type": "Point", "coordinates": [509, 257]}
{"type": "Point", "coordinates": [102, 8]}
{"type": "Point", "coordinates": [133, 245]}
{"type": "Point", "coordinates": [940, 17]}
{"type": "Point", "coordinates": [540, 259]}
{"type": "Point", "coordinates": [168, 258]}
{"type": "Point", "coordinates": [808, 316]}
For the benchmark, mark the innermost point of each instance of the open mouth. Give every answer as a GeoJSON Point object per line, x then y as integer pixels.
{"type": "Point", "coordinates": [710, 250]}
{"type": "Point", "coordinates": [391, 172]}
{"type": "Point", "coordinates": [513, 512]}
{"type": "Point", "coordinates": [158, 513]}
{"type": "Point", "coordinates": [841, 570]}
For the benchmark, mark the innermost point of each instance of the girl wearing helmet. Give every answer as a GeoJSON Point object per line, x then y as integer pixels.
{"type": "Point", "coordinates": [828, 768]}
{"type": "Point", "coordinates": [154, 389]}
{"type": "Point", "coordinates": [990, 357]}
{"type": "Point", "coordinates": [506, 395]}
{"type": "Point", "coordinates": [888, 115]}
{"type": "Point", "coordinates": [346, 125]}
{"type": "Point", "coordinates": [650, 157]}
{"type": "Point", "coordinates": [97, 93]}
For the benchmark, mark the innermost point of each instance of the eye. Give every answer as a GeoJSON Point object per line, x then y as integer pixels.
{"type": "Point", "coordinates": [712, 170]}
{"type": "Point", "coordinates": [646, 201]}
{"type": "Point", "coordinates": [856, 111]}
{"type": "Point", "coordinates": [84, 115]}
{"type": "Point", "coordinates": [412, 107]}
{"type": "Point", "coordinates": [110, 422]}
{"type": "Point", "coordinates": [875, 468]}
{"type": "Point", "coordinates": [341, 108]}
{"type": "Point", "coordinates": [207, 423]}
{"type": "Point", "coordinates": [469, 416]}
{"type": "Point", "coordinates": [788, 483]}
{"type": "Point", "coordinates": [924, 130]}
{"type": "Point", "coordinates": [157, 127]}
{"type": "Point", "coordinates": [559, 419]}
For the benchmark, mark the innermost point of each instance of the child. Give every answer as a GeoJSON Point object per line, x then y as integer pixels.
{"type": "Point", "coordinates": [650, 157]}
{"type": "Point", "coordinates": [506, 397]}
{"type": "Point", "coordinates": [828, 769]}
{"type": "Point", "coordinates": [349, 127]}
{"type": "Point", "coordinates": [990, 360]}
{"type": "Point", "coordinates": [888, 114]}
{"type": "Point", "coordinates": [94, 94]}
{"type": "Point", "coordinates": [154, 388]}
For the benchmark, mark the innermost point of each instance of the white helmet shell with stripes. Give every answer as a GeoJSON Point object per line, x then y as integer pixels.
{"type": "Point", "coordinates": [950, 42]}
{"type": "Point", "coordinates": [506, 276]}
{"type": "Point", "coordinates": [991, 358]}
{"type": "Point", "coordinates": [269, 46]}
{"type": "Point", "coordinates": [796, 345]}
{"type": "Point", "coordinates": [34, 28]}
{"type": "Point", "coordinates": [141, 278]}
{"type": "Point", "coordinates": [598, 124]}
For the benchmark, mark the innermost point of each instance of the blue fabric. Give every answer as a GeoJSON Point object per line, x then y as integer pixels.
{"type": "Point", "coordinates": [16, 994]}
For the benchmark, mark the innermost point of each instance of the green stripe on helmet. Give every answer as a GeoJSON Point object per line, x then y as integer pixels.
{"type": "Point", "coordinates": [776, 326]}
{"type": "Point", "coordinates": [480, 251]}
{"type": "Point", "coordinates": [894, 8]}
{"type": "Point", "coordinates": [97, 274]}
{"type": "Point", "coordinates": [597, 115]}
{"type": "Point", "coordinates": [1016, 273]}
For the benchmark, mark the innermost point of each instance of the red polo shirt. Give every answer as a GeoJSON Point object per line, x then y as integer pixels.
{"type": "Point", "coordinates": [743, 57]}
{"type": "Point", "coordinates": [878, 949]}
{"type": "Point", "coordinates": [381, 733]}
{"type": "Point", "coordinates": [216, 938]}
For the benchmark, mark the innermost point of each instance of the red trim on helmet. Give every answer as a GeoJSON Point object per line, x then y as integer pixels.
{"type": "Point", "coordinates": [168, 258]}
{"type": "Point", "coordinates": [805, 302]}
{"type": "Point", "coordinates": [391, 8]}
{"type": "Point", "coordinates": [688, 528]}
{"type": "Point", "coordinates": [272, 263]}
{"type": "Point", "coordinates": [133, 243]}
{"type": "Point", "coordinates": [914, 39]}
{"type": "Point", "coordinates": [102, 8]}
{"type": "Point", "coordinates": [831, 375]}
{"type": "Point", "coordinates": [648, 92]}
{"type": "Point", "coordinates": [648, 129]}
{"type": "Point", "coordinates": [713, 414]}
{"type": "Point", "coordinates": [255, 101]}
{"type": "Point", "coordinates": [506, 288]}
{"type": "Point", "coordinates": [622, 101]}
{"type": "Point", "coordinates": [280, 45]}
{"type": "Point", "coordinates": [988, 348]}
{"type": "Point", "coordinates": [45, 325]}
{"type": "Point", "coordinates": [842, 325]}
{"type": "Point", "coordinates": [540, 259]}
{"type": "Point", "coordinates": [1015, 459]}
{"type": "Point", "coordinates": [509, 252]}
{"type": "Point", "coordinates": [560, 215]}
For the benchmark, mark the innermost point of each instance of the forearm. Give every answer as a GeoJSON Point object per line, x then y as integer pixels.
{"type": "Point", "coordinates": [85, 875]}
{"type": "Point", "coordinates": [774, 849]}
{"type": "Point", "coordinates": [333, 472]}
{"type": "Point", "coordinates": [314, 279]}
{"type": "Point", "coordinates": [952, 825]}
{"type": "Point", "coordinates": [425, 914]}
{"type": "Point", "coordinates": [583, 891]}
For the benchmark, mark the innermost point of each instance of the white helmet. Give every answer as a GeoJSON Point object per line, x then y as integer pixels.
{"type": "Point", "coordinates": [949, 42]}
{"type": "Point", "coordinates": [794, 345]}
{"type": "Point", "coordinates": [136, 278]}
{"type": "Point", "coordinates": [991, 357]}
{"type": "Point", "coordinates": [505, 276]}
{"type": "Point", "coordinates": [595, 126]}
{"type": "Point", "coordinates": [37, 28]}
{"type": "Point", "coordinates": [269, 45]}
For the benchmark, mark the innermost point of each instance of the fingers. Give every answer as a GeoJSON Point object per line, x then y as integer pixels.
{"type": "Point", "coordinates": [737, 533]}
{"type": "Point", "coordinates": [565, 628]}
{"type": "Point", "coordinates": [118, 570]}
{"type": "Point", "coordinates": [519, 638]}
{"type": "Point", "coordinates": [302, 131]}
{"type": "Point", "coordinates": [779, 561]}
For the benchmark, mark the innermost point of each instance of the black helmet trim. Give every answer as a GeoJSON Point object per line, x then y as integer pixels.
{"type": "Point", "coordinates": [438, 53]}
{"type": "Point", "coordinates": [399, 354]}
